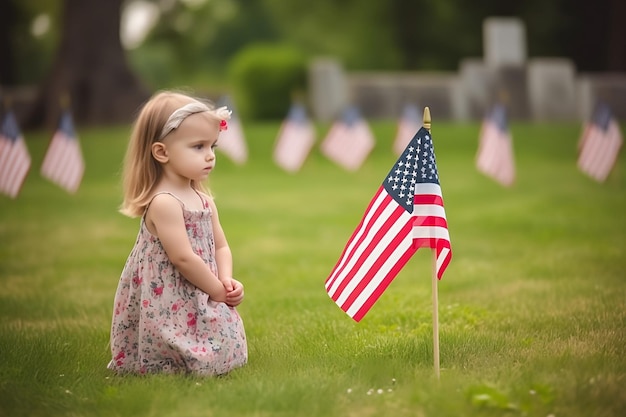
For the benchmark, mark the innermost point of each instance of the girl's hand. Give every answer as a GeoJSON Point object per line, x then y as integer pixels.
{"type": "Point", "coordinates": [235, 296]}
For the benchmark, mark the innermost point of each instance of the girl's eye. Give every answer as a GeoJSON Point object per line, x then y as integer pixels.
{"type": "Point", "coordinates": [198, 146]}
{"type": "Point", "coordinates": [214, 145]}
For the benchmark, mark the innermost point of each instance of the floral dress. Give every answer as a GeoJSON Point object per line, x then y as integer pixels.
{"type": "Point", "coordinates": [162, 322]}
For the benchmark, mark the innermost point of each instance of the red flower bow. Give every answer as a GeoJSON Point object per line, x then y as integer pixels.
{"type": "Point", "coordinates": [223, 125]}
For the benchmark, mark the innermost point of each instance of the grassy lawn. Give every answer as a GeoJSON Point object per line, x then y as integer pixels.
{"type": "Point", "coordinates": [532, 307]}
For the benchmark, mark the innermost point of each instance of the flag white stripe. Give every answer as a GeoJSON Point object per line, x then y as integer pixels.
{"type": "Point", "coordinates": [426, 210]}
{"type": "Point", "coordinates": [442, 257]}
{"type": "Point", "coordinates": [428, 232]}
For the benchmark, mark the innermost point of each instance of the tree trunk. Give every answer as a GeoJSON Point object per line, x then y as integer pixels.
{"type": "Point", "coordinates": [7, 18]}
{"type": "Point", "coordinates": [90, 69]}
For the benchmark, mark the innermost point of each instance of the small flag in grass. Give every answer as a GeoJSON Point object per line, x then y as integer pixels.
{"type": "Point", "coordinates": [495, 150]}
{"type": "Point", "coordinates": [409, 123]}
{"type": "Point", "coordinates": [349, 140]}
{"type": "Point", "coordinates": [14, 157]}
{"type": "Point", "coordinates": [63, 163]}
{"type": "Point", "coordinates": [405, 214]}
{"type": "Point", "coordinates": [232, 141]}
{"type": "Point", "coordinates": [295, 139]}
{"type": "Point", "coordinates": [600, 144]}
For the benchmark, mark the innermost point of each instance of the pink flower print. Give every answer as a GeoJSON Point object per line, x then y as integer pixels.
{"type": "Point", "coordinates": [136, 281]}
{"type": "Point", "coordinates": [145, 303]}
{"type": "Point", "coordinates": [119, 358]}
{"type": "Point", "coordinates": [174, 308]}
{"type": "Point", "coordinates": [192, 320]}
{"type": "Point", "coordinates": [158, 291]}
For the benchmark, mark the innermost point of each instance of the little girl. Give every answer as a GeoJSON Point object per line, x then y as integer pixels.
{"type": "Point", "coordinates": [174, 308]}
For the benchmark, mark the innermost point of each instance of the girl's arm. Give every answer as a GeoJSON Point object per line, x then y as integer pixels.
{"type": "Point", "coordinates": [166, 218]}
{"type": "Point", "coordinates": [223, 255]}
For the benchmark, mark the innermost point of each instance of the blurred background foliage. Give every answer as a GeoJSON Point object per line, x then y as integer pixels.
{"type": "Point", "coordinates": [203, 44]}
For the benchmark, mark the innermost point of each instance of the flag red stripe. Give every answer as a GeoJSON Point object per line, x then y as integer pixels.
{"type": "Point", "coordinates": [430, 221]}
{"type": "Point", "coordinates": [421, 199]}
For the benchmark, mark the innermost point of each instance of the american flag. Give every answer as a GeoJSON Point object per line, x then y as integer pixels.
{"type": "Point", "coordinates": [409, 123]}
{"type": "Point", "coordinates": [600, 144]}
{"type": "Point", "coordinates": [232, 141]}
{"type": "Point", "coordinates": [295, 139]}
{"type": "Point", "coordinates": [14, 157]}
{"type": "Point", "coordinates": [495, 150]}
{"type": "Point", "coordinates": [405, 214]}
{"type": "Point", "coordinates": [63, 163]}
{"type": "Point", "coordinates": [349, 140]}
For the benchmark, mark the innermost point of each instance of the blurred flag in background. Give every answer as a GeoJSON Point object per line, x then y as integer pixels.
{"type": "Point", "coordinates": [495, 149]}
{"type": "Point", "coordinates": [349, 140]}
{"type": "Point", "coordinates": [599, 144]}
{"type": "Point", "coordinates": [295, 139]}
{"type": "Point", "coordinates": [63, 163]}
{"type": "Point", "coordinates": [14, 157]}
{"type": "Point", "coordinates": [232, 141]}
{"type": "Point", "coordinates": [409, 123]}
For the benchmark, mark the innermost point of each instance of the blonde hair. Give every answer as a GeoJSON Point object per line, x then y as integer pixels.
{"type": "Point", "coordinates": [141, 171]}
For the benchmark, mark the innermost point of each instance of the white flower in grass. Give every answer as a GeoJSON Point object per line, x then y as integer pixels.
{"type": "Point", "coordinates": [349, 390]}
{"type": "Point", "coordinates": [380, 391]}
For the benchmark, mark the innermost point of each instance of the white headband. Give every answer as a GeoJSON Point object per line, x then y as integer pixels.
{"type": "Point", "coordinates": [180, 114]}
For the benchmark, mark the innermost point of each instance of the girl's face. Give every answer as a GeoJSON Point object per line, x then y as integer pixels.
{"type": "Point", "coordinates": [191, 147]}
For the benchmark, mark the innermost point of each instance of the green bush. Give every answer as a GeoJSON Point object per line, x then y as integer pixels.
{"type": "Point", "coordinates": [265, 77]}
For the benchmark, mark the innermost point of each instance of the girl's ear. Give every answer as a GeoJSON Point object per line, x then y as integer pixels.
{"type": "Point", "coordinates": [159, 152]}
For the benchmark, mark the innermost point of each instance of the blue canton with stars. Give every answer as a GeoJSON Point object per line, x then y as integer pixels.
{"type": "Point", "coordinates": [415, 165]}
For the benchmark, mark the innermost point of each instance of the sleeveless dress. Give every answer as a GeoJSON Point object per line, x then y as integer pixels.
{"type": "Point", "coordinates": [164, 324]}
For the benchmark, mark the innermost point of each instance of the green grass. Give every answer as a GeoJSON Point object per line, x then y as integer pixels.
{"type": "Point", "coordinates": [532, 308]}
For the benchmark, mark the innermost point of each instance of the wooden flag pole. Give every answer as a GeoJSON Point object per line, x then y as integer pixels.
{"type": "Point", "coordinates": [427, 121]}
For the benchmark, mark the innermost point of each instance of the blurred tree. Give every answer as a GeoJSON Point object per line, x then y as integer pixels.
{"type": "Point", "coordinates": [90, 68]}
{"type": "Point", "coordinates": [8, 72]}
{"type": "Point", "coordinates": [27, 39]}
{"type": "Point", "coordinates": [195, 39]}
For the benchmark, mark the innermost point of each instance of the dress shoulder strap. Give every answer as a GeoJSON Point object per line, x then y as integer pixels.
{"type": "Point", "coordinates": [159, 193]}
{"type": "Point", "coordinates": [203, 199]}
